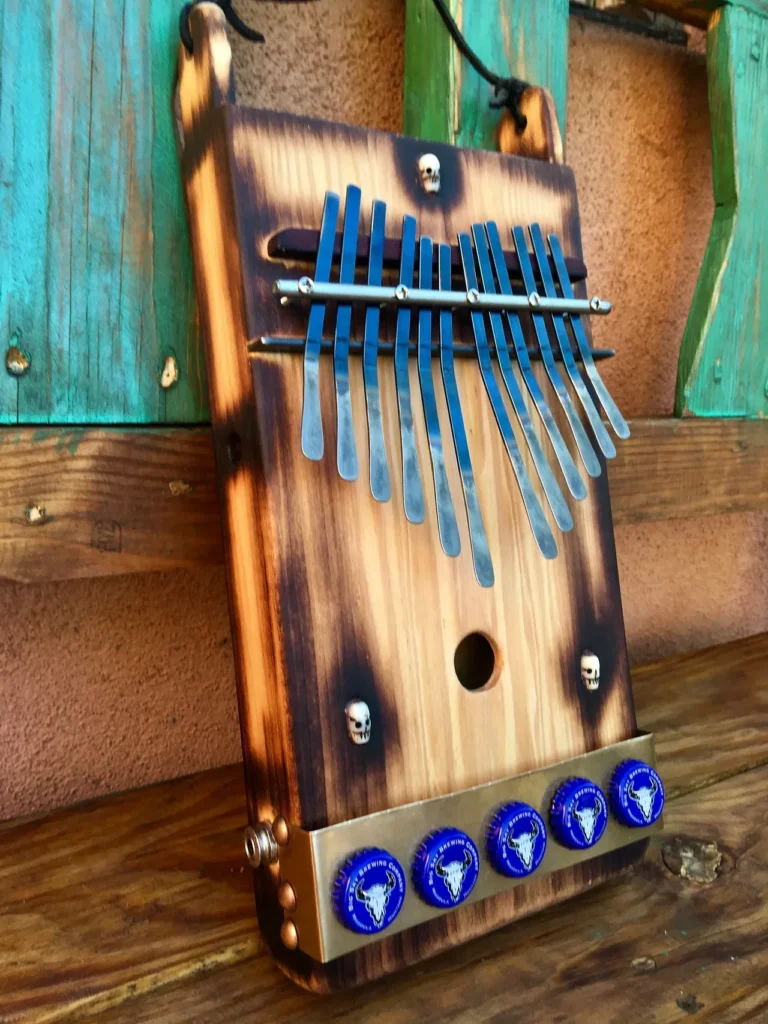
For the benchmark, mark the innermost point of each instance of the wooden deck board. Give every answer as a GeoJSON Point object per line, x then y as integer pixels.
{"type": "Point", "coordinates": [121, 500]}
{"type": "Point", "coordinates": [139, 908]}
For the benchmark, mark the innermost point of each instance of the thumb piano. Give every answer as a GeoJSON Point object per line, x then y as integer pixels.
{"type": "Point", "coordinates": [411, 436]}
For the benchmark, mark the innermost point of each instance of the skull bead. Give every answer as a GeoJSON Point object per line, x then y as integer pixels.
{"type": "Point", "coordinates": [358, 716]}
{"type": "Point", "coordinates": [590, 669]}
{"type": "Point", "coordinates": [429, 173]}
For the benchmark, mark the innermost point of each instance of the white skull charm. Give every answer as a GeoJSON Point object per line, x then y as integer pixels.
{"type": "Point", "coordinates": [358, 716]}
{"type": "Point", "coordinates": [429, 173]}
{"type": "Point", "coordinates": [590, 669]}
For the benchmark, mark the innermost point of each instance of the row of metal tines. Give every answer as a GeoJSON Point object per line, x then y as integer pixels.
{"type": "Point", "coordinates": [481, 250]}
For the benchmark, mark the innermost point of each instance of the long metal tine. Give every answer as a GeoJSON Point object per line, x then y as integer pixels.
{"type": "Point", "coordinates": [377, 450]}
{"type": "Point", "coordinates": [542, 259]}
{"type": "Point", "coordinates": [346, 451]}
{"type": "Point", "coordinates": [481, 555]}
{"type": "Point", "coordinates": [311, 418]}
{"type": "Point", "coordinates": [615, 418]}
{"type": "Point", "coordinates": [541, 530]}
{"type": "Point", "coordinates": [413, 494]}
{"type": "Point", "coordinates": [554, 495]}
{"type": "Point", "coordinates": [446, 516]}
{"type": "Point", "coordinates": [588, 456]}
{"type": "Point", "coordinates": [576, 485]}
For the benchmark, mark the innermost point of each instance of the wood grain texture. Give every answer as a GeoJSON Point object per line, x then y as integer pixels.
{"type": "Point", "coordinates": [159, 487]}
{"type": "Point", "coordinates": [444, 97]}
{"type": "Point", "coordinates": [94, 253]}
{"type": "Point", "coordinates": [314, 620]}
{"type": "Point", "coordinates": [723, 367]}
{"type": "Point", "coordinates": [698, 12]}
{"type": "Point", "coordinates": [140, 903]}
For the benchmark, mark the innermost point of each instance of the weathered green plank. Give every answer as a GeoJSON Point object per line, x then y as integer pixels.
{"type": "Point", "coordinates": [95, 272]}
{"type": "Point", "coordinates": [445, 98]}
{"type": "Point", "coordinates": [723, 368]}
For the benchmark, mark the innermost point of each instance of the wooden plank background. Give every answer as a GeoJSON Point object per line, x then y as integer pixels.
{"type": "Point", "coordinates": [119, 501]}
{"type": "Point", "coordinates": [95, 267]}
{"type": "Point", "coordinates": [139, 907]}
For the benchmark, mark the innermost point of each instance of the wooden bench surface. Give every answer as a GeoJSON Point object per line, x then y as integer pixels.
{"type": "Point", "coordinates": [138, 907]}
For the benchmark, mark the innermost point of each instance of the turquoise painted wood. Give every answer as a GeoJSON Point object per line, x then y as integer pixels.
{"type": "Point", "coordinates": [445, 99]}
{"type": "Point", "coordinates": [723, 368]}
{"type": "Point", "coordinates": [95, 270]}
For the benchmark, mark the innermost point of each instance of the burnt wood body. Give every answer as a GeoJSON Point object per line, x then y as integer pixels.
{"type": "Point", "coordinates": [334, 596]}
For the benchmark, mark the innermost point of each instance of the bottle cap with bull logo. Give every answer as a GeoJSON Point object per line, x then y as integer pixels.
{"type": "Point", "coordinates": [517, 840]}
{"type": "Point", "coordinates": [369, 891]}
{"type": "Point", "coordinates": [636, 794]}
{"type": "Point", "coordinates": [446, 867]}
{"type": "Point", "coordinates": [579, 814]}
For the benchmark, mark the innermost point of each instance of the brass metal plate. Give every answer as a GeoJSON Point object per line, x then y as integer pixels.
{"type": "Point", "coordinates": [311, 860]}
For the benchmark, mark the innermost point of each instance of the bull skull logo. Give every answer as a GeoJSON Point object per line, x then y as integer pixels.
{"type": "Point", "coordinates": [453, 874]}
{"type": "Point", "coordinates": [644, 797]}
{"type": "Point", "coordinates": [376, 897]}
{"type": "Point", "coordinates": [524, 845]}
{"type": "Point", "coordinates": [587, 819]}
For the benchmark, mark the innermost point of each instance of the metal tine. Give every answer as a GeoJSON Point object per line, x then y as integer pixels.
{"type": "Point", "coordinates": [615, 418]}
{"type": "Point", "coordinates": [478, 540]}
{"type": "Point", "coordinates": [346, 451]}
{"type": "Point", "coordinates": [311, 418]}
{"type": "Point", "coordinates": [413, 494]}
{"type": "Point", "coordinates": [587, 452]}
{"type": "Point", "coordinates": [554, 495]}
{"type": "Point", "coordinates": [576, 485]}
{"type": "Point", "coordinates": [601, 434]}
{"type": "Point", "coordinates": [446, 516]}
{"type": "Point", "coordinates": [377, 450]}
{"type": "Point", "coordinates": [541, 531]}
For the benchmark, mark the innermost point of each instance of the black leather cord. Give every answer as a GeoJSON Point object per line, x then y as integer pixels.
{"type": "Point", "coordinates": [230, 14]}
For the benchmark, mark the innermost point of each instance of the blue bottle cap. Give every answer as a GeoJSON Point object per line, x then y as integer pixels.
{"type": "Point", "coordinates": [579, 814]}
{"type": "Point", "coordinates": [369, 891]}
{"type": "Point", "coordinates": [446, 867]}
{"type": "Point", "coordinates": [517, 840]}
{"type": "Point", "coordinates": [636, 794]}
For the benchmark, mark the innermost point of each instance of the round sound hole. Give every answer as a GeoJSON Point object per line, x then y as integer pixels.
{"type": "Point", "coordinates": [475, 661]}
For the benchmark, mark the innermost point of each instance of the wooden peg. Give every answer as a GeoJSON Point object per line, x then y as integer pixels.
{"type": "Point", "coordinates": [541, 139]}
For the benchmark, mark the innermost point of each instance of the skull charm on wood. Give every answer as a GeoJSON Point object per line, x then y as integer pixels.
{"type": "Point", "coordinates": [590, 669]}
{"type": "Point", "coordinates": [429, 173]}
{"type": "Point", "coordinates": [358, 716]}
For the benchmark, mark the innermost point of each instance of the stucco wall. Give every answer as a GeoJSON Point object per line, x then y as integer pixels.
{"type": "Point", "coordinates": [113, 683]}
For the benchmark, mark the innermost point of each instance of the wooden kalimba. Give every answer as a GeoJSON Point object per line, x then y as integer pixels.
{"type": "Point", "coordinates": [437, 720]}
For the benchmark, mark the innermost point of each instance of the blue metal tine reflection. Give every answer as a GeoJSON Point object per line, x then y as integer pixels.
{"type": "Point", "coordinates": [615, 418]}
{"type": "Point", "coordinates": [481, 555]}
{"type": "Point", "coordinates": [346, 452]}
{"type": "Point", "coordinates": [542, 259]}
{"type": "Point", "coordinates": [588, 456]}
{"type": "Point", "coordinates": [446, 516]}
{"type": "Point", "coordinates": [575, 484]}
{"type": "Point", "coordinates": [377, 450]}
{"type": "Point", "coordinates": [541, 530]}
{"type": "Point", "coordinates": [311, 418]}
{"type": "Point", "coordinates": [554, 495]}
{"type": "Point", "coordinates": [413, 494]}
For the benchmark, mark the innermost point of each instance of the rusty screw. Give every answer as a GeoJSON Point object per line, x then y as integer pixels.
{"type": "Point", "coordinates": [16, 363]}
